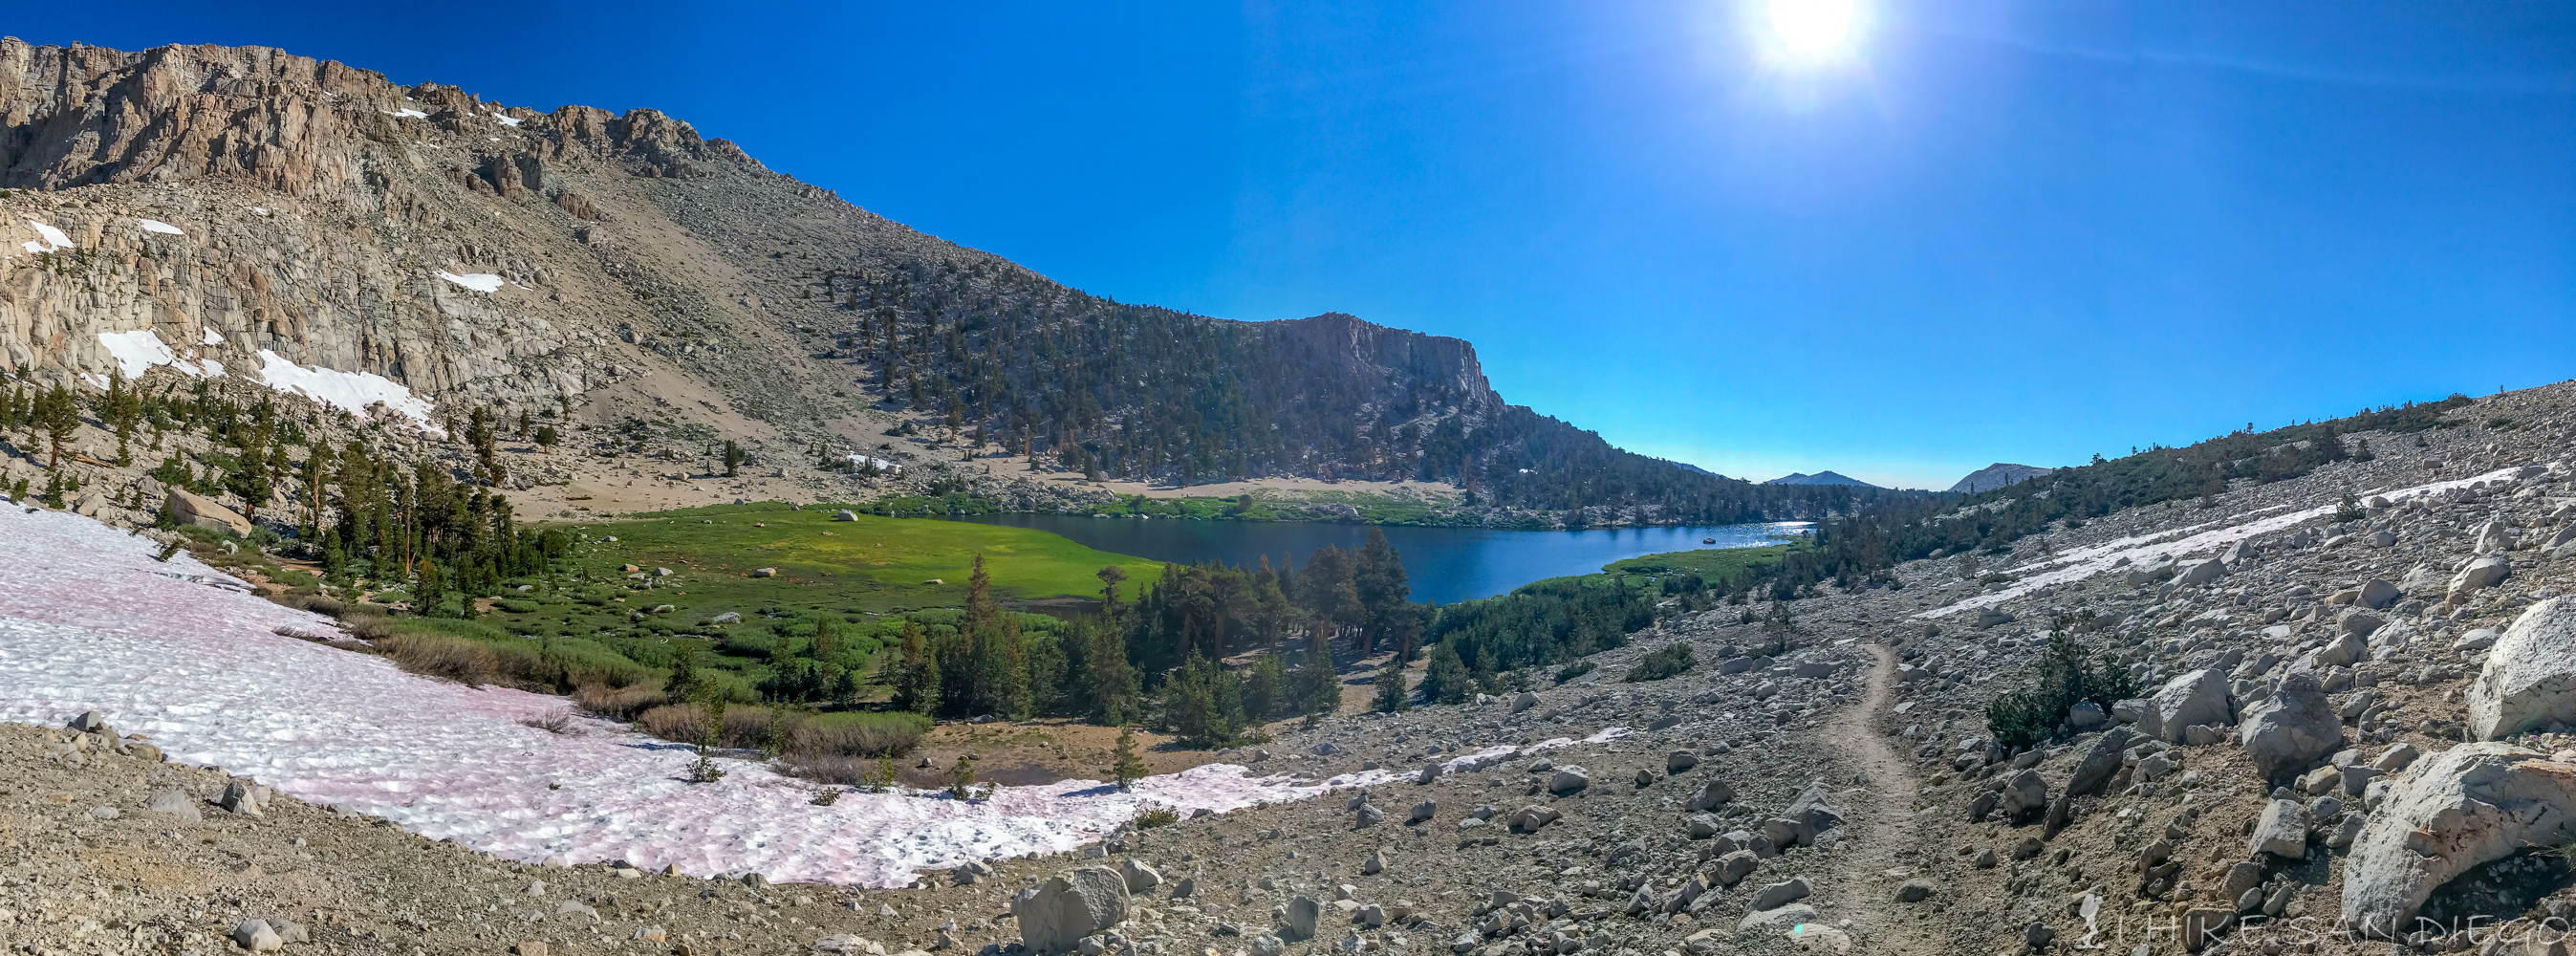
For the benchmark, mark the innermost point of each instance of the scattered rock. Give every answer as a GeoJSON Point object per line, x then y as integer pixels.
{"type": "Point", "coordinates": [1056, 914]}
{"type": "Point", "coordinates": [2530, 676]}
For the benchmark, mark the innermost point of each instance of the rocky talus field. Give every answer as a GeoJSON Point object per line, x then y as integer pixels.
{"type": "Point", "coordinates": [2351, 733]}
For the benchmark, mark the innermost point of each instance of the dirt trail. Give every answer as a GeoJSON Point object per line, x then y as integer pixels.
{"type": "Point", "coordinates": [1884, 825]}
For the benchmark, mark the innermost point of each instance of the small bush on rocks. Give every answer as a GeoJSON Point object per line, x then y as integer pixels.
{"type": "Point", "coordinates": [1670, 660]}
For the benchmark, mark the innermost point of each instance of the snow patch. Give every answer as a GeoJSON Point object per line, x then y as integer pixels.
{"type": "Point", "coordinates": [53, 238]}
{"type": "Point", "coordinates": [353, 391]}
{"type": "Point", "coordinates": [259, 210]}
{"type": "Point", "coordinates": [858, 460]}
{"type": "Point", "coordinates": [210, 338]}
{"type": "Point", "coordinates": [477, 281]}
{"type": "Point", "coordinates": [506, 120]}
{"type": "Point", "coordinates": [409, 113]}
{"type": "Point", "coordinates": [138, 351]}
{"type": "Point", "coordinates": [31, 246]}
{"type": "Point", "coordinates": [90, 627]}
{"type": "Point", "coordinates": [155, 225]}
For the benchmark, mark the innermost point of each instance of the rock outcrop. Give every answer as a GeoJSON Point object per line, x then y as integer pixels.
{"type": "Point", "coordinates": [2471, 805]}
{"type": "Point", "coordinates": [2529, 679]}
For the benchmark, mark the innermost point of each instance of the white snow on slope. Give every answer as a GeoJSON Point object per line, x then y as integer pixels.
{"type": "Point", "coordinates": [506, 120]}
{"type": "Point", "coordinates": [409, 112]}
{"type": "Point", "coordinates": [209, 337]}
{"type": "Point", "coordinates": [90, 624]}
{"type": "Point", "coordinates": [477, 281]}
{"type": "Point", "coordinates": [155, 225]}
{"type": "Point", "coordinates": [138, 351]}
{"type": "Point", "coordinates": [354, 391]}
{"type": "Point", "coordinates": [53, 238]}
{"type": "Point", "coordinates": [31, 246]}
{"type": "Point", "coordinates": [2076, 564]}
{"type": "Point", "coordinates": [857, 460]}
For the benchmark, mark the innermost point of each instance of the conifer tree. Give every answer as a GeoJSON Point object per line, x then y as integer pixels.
{"type": "Point", "coordinates": [916, 676]}
{"type": "Point", "coordinates": [1125, 765]}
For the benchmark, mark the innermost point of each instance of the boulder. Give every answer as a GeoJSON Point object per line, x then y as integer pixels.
{"type": "Point", "coordinates": [257, 936]}
{"type": "Point", "coordinates": [2470, 805]}
{"type": "Point", "coordinates": [2100, 763]}
{"type": "Point", "coordinates": [2193, 573]}
{"type": "Point", "coordinates": [2530, 675]}
{"type": "Point", "coordinates": [2024, 793]}
{"type": "Point", "coordinates": [1139, 876]}
{"type": "Point", "coordinates": [1524, 701]}
{"type": "Point", "coordinates": [1680, 762]}
{"type": "Point", "coordinates": [844, 514]}
{"type": "Point", "coordinates": [1056, 914]}
{"type": "Point", "coordinates": [2282, 831]}
{"type": "Point", "coordinates": [2377, 594]}
{"type": "Point", "coordinates": [196, 509]}
{"type": "Point", "coordinates": [2479, 575]}
{"type": "Point", "coordinates": [1303, 913]}
{"type": "Point", "coordinates": [2292, 729]}
{"type": "Point", "coordinates": [2199, 697]}
{"type": "Point", "coordinates": [1568, 779]}
{"type": "Point", "coordinates": [1712, 795]}
{"type": "Point", "coordinates": [1734, 867]}
{"type": "Point", "coordinates": [1776, 895]}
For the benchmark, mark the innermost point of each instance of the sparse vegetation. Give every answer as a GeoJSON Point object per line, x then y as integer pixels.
{"type": "Point", "coordinates": [1670, 660]}
{"type": "Point", "coordinates": [2068, 673]}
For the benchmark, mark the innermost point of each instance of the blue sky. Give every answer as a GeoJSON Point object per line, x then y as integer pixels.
{"type": "Point", "coordinates": [1983, 231]}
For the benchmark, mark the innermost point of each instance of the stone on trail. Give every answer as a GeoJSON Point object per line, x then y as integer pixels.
{"type": "Point", "coordinates": [2291, 730]}
{"type": "Point", "coordinates": [1734, 867]}
{"type": "Point", "coordinates": [2377, 594]}
{"type": "Point", "coordinates": [1680, 761]}
{"type": "Point", "coordinates": [244, 797]}
{"type": "Point", "coordinates": [1375, 864]}
{"type": "Point", "coordinates": [1915, 890]}
{"type": "Point", "coordinates": [1058, 913]}
{"type": "Point", "coordinates": [2529, 679]}
{"type": "Point", "coordinates": [2468, 806]}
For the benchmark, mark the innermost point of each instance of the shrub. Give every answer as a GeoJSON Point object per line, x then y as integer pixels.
{"type": "Point", "coordinates": [439, 655]}
{"type": "Point", "coordinates": [2026, 718]}
{"type": "Point", "coordinates": [619, 703]}
{"type": "Point", "coordinates": [1574, 670]}
{"type": "Point", "coordinates": [1670, 660]}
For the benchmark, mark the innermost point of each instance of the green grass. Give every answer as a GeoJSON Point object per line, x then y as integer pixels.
{"type": "Point", "coordinates": [1711, 564]}
{"type": "Point", "coordinates": [872, 564]}
{"type": "Point", "coordinates": [588, 624]}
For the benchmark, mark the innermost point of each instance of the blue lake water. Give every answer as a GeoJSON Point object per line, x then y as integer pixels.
{"type": "Point", "coordinates": [1444, 564]}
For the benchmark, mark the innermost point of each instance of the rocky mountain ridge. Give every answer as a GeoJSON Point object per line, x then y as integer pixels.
{"type": "Point", "coordinates": [282, 216]}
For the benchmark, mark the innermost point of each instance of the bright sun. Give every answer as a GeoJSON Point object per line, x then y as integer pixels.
{"type": "Point", "coordinates": [1812, 29]}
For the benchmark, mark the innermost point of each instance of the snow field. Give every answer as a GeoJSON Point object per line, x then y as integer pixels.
{"type": "Point", "coordinates": [2079, 563]}
{"type": "Point", "coordinates": [182, 654]}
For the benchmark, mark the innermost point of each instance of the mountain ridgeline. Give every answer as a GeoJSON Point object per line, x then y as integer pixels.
{"type": "Point", "coordinates": [625, 268]}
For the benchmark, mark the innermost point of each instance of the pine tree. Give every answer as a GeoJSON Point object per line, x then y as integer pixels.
{"type": "Point", "coordinates": [57, 414]}
{"type": "Point", "coordinates": [1125, 766]}
{"type": "Point", "coordinates": [916, 677]}
{"type": "Point", "coordinates": [961, 779]}
{"type": "Point", "coordinates": [733, 458]}
{"type": "Point", "coordinates": [1392, 696]}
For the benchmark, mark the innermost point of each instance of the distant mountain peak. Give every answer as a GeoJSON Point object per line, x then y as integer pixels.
{"type": "Point", "coordinates": [1819, 478]}
{"type": "Point", "coordinates": [1997, 475]}
{"type": "Point", "coordinates": [1694, 469]}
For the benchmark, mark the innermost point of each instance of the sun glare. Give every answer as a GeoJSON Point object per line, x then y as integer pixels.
{"type": "Point", "coordinates": [1812, 29]}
